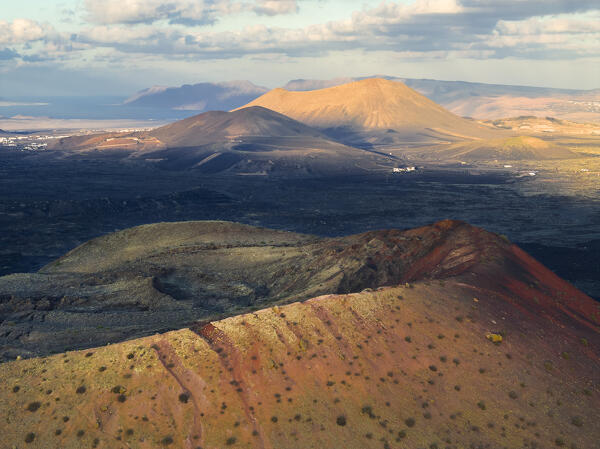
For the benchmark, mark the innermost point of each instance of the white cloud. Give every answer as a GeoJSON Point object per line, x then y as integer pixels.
{"type": "Point", "coordinates": [434, 29]}
{"type": "Point", "coordinates": [275, 7]}
{"type": "Point", "coordinates": [21, 31]}
{"type": "Point", "coordinates": [148, 11]}
{"type": "Point", "coordinates": [185, 12]}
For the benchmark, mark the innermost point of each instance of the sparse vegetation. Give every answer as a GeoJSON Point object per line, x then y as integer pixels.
{"type": "Point", "coordinates": [577, 421]}
{"type": "Point", "coordinates": [34, 406]}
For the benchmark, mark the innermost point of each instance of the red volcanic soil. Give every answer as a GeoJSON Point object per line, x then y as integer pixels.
{"type": "Point", "coordinates": [406, 366]}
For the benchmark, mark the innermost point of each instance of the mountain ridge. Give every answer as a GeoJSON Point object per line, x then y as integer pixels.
{"type": "Point", "coordinates": [497, 351]}
{"type": "Point", "coordinates": [197, 97]}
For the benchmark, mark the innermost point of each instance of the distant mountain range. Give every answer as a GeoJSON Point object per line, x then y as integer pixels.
{"type": "Point", "coordinates": [347, 128]}
{"type": "Point", "coordinates": [479, 100]}
{"type": "Point", "coordinates": [198, 97]}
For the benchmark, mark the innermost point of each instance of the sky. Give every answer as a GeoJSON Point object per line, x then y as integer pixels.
{"type": "Point", "coordinates": [117, 47]}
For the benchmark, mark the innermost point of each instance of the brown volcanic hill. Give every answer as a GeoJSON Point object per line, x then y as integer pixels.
{"type": "Point", "coordinates": [215, 126]}
{"type": "Point", "coordinates": [166, 276]}
{"type": "Point", "coordinates": [202, 129]}
{"type": "Point", "coordinates": [372, 104]}
{"type": "Point", "coordinates": [249, 141]}
{"type": "Point", "coordinates": [400, 367]}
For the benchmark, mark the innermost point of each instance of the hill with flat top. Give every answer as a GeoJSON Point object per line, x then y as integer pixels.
{"type": "Point", "coordinates": [370, 104]}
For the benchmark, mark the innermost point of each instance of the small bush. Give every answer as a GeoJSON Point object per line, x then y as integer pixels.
{"type": "Point", "coordinates": [29, 437]}
{"type": "Point", "coordinates": [368, 410]}
{"type": "Point", "coordinates": [577, 421]}
{"type": "Point", "coordinates": [410, 422]}
{"type": "Point", "coordinates": [341, 420]}
{"type": "Point", "coordinates": [33, 406]}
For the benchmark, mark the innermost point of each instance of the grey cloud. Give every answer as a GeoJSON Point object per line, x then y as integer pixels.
{"type": "Point", "coordinates": [7, 54]}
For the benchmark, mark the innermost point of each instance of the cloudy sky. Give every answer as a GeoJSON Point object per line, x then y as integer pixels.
{"type": "Point", "coordinates": [119, 46]}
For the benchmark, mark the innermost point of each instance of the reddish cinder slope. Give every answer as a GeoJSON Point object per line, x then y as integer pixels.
{"type": "Point", "coordinates": [398, 367]}
{"type": "Point", "coordinates": [406, 367]}
{"type": "Point", "coordinates": [477, 258]}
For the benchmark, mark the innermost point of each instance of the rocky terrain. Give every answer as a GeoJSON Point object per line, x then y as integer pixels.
{"type": "Point", "coordinates": [466, 341]}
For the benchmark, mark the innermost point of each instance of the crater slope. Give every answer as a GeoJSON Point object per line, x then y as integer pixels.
{"type": "Point", "coordinates": [409, 366]}
{"type": "Point", "coordinates": [169, 275]}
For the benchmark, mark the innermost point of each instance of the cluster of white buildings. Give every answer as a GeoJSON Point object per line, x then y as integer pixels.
{"type": "Point", "coordinates": [27, 142]}
{"type": "Point", "coordinates": [403, 169]}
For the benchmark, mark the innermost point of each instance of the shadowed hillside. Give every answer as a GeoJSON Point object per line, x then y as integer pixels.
{"type": "Point", "coordinates": [487, 349]}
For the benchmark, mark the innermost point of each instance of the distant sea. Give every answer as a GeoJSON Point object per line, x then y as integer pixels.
{"type": "Point", "coordinates": [85, 108]}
